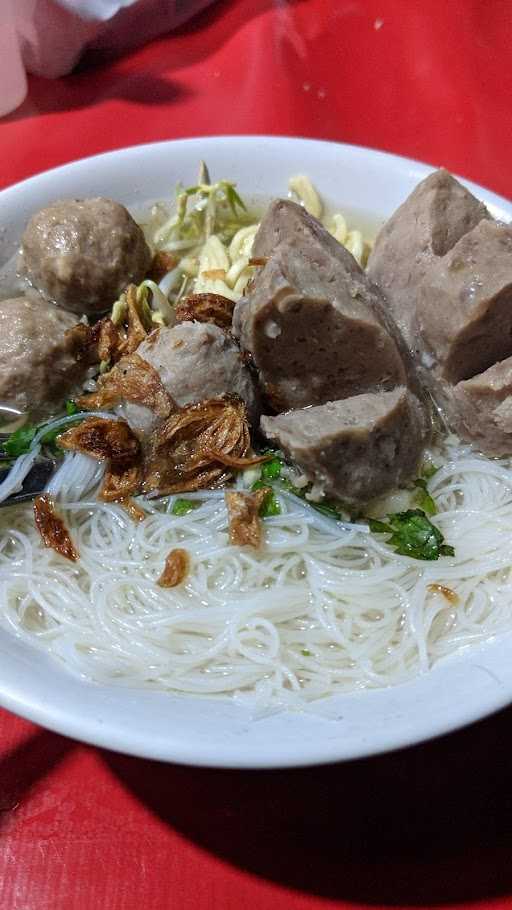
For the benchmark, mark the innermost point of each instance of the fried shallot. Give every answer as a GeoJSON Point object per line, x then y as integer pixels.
{"type": "Point", "coordinates": [102, 438]}
{"type": "Point", "coordinates": [95, 343]}
{"type": "Point", "coordinates": [258, 260]}
{"type": "Point", "coordinates": [186, 451]}
{"type": "Point", "coordinates": [112, 440]}
{"type": "Point", "coordinates": [245, 528]}
{"type": "Point", "coordinates": [107, 340]}
{"type": "Point", "coordinates": [451, 596]}
{"type": "Point", "coordinates": [132, 509]}
{"type": "Point", "coordinates": [121, 481]}
{"type": "Point", "coordinates": [212, 308]}
{"type": "Point", "coordinates": [132, 379]}
{"type": "Point", "coordinates": [175, 570]}
{"type": "Point", "coordinates": [52, 529]}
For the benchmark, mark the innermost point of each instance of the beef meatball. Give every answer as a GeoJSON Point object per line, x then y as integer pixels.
{"type": "Point", "coordinates": [80, 254]}
{"type": "Point", "coordinates": [38, 367]}
{"type": "Point", "coordinates": [195, 361]}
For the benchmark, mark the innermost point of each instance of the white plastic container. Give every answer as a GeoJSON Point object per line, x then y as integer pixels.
{"type": "Point", "coordinates": [48, 37]}
{"type": "Point", "coordinates": [13, 81]}
{"type": "Point", "coordinates": [54, 33]}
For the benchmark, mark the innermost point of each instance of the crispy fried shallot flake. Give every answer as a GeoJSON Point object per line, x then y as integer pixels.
{"type": "Point", "coordinates": [95, 343]}
{"type": "Point", "coordinates": [102, 438]}
{"type": "Point", "coordinates": [122, 480]}
{"type": "Point", "coordinates": [211, 308]}
{"type": "Point", "coordinates": [161, 264]}
{"type": "Point", "coordinates": [52, 529]}
{"type": "Point", "coordinates": [232, 461]}
{"type": "Point", "coordinates": [112, 440]}
{"type": "Point", "coordinates": [109, 340]}
{"type": "Point", "coordinates": [132, 379]}
{"type": "Point", "coordinates": [78, 338]}
{"type": "Point", "coordinates": [451, 596]}
{"type": "Point", "coordinates": [258, 260]}
{"type": "Point", "coordinates": [106, 341]}
{"type": "Point", "coordinates": [133, 510]}
{"type": "Point", "coordinates": [175, 570]}
{"type": "Point", "coordinates": [245, 528]}
{"type": "Point", "coordinates": [179, 456]}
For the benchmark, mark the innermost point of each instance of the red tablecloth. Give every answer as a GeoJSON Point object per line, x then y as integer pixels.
{"type": "Point", "coordinates": [81, 828]}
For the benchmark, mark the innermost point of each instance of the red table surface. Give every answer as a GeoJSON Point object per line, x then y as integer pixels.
{"type": "Point", "coordinates": [83, 828]}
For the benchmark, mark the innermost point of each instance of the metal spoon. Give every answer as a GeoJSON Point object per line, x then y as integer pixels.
{"type": "Point", "coordinates": [34, 483]}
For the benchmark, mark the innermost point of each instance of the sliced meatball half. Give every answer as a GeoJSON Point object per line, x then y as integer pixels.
{"type": "Point", "coordinates": [310, 327]}
{"type": "Point", "coordinates": [464, 310]}
{"type": "Point", "coordinates": [427, 225]}
{"type": "Point", "coordinates": [357, 448]}
{"type": "Point", "coordinates": [82, 253]}
{"type": "Point", "coordinates": [38, 368]}
{"type": "Point", "coordinates": [195, 361]}
{"type": "Point", "coordinates": [285, 221]}
{"type": "Point", "coordinates": [481, 409]}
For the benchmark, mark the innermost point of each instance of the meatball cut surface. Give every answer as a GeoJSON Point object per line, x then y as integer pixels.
{"type": "Point", "coordinates": [81, 253]}
{"type": "Point", "coordinates": [37, 366]}
{"type": "Point", "coordinates": [356, 448]}
{"type": "Point", "coordinates": [195, 361]}
{"type": "Point", "coordinates": [311, 321]}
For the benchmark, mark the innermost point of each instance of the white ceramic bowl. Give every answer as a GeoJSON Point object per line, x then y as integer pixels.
{"type": "Point", "coordinates": [218, 733]}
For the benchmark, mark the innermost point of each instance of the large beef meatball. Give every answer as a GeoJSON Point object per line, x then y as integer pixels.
{"type": "Point", "coordinates": [195, 361]}
{"type": "Point", "coordinates": [81, 253]}
{"type": "Point", "coordinates": [38, 368]}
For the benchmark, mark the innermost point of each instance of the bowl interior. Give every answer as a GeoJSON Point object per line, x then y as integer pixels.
{"type": "Point", "coordinates": [214, 732]}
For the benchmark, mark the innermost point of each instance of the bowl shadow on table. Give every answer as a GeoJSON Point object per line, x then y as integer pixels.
{"type": "Point", "coordinates": [47, 96]}
{"type": "Point", "coordinates": [423, 826]}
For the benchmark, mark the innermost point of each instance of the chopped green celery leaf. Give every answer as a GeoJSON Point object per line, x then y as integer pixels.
{"type": "Point", "coordinates": [270, 505]}
{"type": "Point", "coordinates": [71, 407]}
{"type": "Point", "coordinates": [429, 470]}
{"type": "Point", "coordinates": [415, 535]}
{"type": "Point", "coordinates": [423, 497]}
{"type": "Point", "coordinates": [271, 470]}
{"type": "Point", "coordinates": [326, 508]}
{"type": "Point", "coordinates": [183, 506]}
{"type": "Point", "coordinates": [412, 534]}
{"type": "Point", "coordinates": [446, 550]}
{"type": "Point", "coordinates": [19, 442]}
{"type": "Point", "coordinates": [305, 652]}
{"type": "Point", "coordinates": [287, 485]}
{"type": "Point", "coordinates": [378, 527]}
{"type": "Point", "coordinates": [271, 473]}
